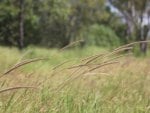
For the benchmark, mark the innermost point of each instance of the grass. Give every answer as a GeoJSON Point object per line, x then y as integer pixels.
{"type": "Point", "coordinates": [122, 87]}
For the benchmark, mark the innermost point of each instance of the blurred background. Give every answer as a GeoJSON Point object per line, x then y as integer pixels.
{"type": "Point", "coordinates": [57, 23]}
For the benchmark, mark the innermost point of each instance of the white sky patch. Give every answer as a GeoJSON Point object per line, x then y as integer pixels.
{"type": "Point", "coordinates": [145, 21]}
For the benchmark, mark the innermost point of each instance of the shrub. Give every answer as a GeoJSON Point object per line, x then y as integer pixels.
{"type": "Point", "coordinates": [101, 35]}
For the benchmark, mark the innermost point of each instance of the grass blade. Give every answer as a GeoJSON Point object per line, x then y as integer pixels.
{"type": "Point", "coordinates": [15, 88]}
{"type": "Point", "coordinates": [71, 44]}
{"type": "Point", "coordinates": [22, 64]}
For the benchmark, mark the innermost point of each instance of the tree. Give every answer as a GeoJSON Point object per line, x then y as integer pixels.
{"type": "Point", "coordinates": [85, 13]}
{"type": "Point", "coordinates": [21, 24]}
{"type": "Point", "coordinates": [133, 12]}
{"type": "Point", "coordinates": [49, 23]}
{"type": "Point", "coordinates": [8, 23]}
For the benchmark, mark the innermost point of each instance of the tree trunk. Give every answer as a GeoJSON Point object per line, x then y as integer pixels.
{"type": "Point", "coordinates": [21, 25]}
{"type": "Point", "coordinates": [143, 37]}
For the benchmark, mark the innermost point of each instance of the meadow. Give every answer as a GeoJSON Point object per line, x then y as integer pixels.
{"type": "Point", "coordinates": [74, 81]}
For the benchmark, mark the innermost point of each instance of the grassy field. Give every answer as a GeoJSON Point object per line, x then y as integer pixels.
{"type": "Point", "coordinates": [71, 81]}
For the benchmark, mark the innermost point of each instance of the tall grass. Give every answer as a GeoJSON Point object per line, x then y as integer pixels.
{"type": "Point", "coordinates": [74, 81]}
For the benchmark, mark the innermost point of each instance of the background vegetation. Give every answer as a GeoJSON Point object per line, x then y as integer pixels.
{"type": "Point", "coordinates": [56, 23]}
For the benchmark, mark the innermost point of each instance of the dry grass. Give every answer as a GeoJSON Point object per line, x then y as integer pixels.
{"type": "Point", "coordinates": [22, 64]}
{"type": "Point", "coordinates": [87, 85]}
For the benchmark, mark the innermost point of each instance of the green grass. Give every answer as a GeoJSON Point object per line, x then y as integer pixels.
{"type": "Point", "coordinates": [118, 88]}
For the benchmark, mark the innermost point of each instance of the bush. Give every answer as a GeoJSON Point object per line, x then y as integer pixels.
{"type": "Point", "coordinates": [101, 35]}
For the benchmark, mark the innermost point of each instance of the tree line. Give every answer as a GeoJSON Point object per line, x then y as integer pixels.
{"type": "Point", "coordinates": [56, 23]}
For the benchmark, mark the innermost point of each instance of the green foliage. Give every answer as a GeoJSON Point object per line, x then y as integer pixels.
{"type": "Point", "coordinates": [8, 23]}
{"type": "Point", "coordinates": [44, 22]}
{"type": "Point", "coordinates": [101, 35]}
{"type": "Point", "coordinates": [49, 23]}
{"type": "Point", "coordinates": [54, 27]}
{"type": "Point", "coordinates": [56, 23]}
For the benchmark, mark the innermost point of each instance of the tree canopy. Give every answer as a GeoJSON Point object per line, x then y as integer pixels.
{"type": "Point", "coordinates": [56, 23]}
